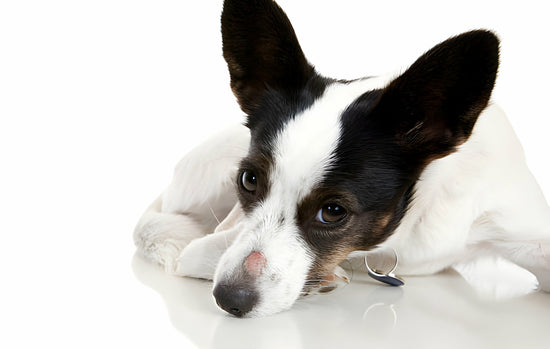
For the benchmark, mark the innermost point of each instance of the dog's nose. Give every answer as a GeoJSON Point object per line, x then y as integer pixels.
{"type": "Point", "coordinates": [234, 299]}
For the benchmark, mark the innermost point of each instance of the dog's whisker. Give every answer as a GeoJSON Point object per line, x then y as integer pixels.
{"type": "Point", "coordinates": [213, 213]}
{"type": "Point", "coordinates": [218, 221]}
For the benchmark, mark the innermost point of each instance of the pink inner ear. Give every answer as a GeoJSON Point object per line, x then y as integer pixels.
{"type": "Point", "coordinates": [255, 263]}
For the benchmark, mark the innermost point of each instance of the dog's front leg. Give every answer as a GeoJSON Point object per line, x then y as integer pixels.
{"type": "Point", "coordinates": [201, 192]}
{"type": "Point", "coordinates": [531, 255]}
{"type": "Point", "coordinates": [541, 267]}
{"type": "Point", "coordinates": [200, 258]}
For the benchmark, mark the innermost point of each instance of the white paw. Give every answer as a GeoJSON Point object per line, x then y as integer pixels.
{"type": "Point", "coordinates": [543, 277]}
{"type": "Point", "coordinates": [200, 258]}
{"type": "Point", "coordinates": [164, 253]}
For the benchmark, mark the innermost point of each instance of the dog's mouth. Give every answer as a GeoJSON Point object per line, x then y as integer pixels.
{"type": "Point", "coordinates": [316, 286]}
{"type": "Point", "coordinates": [326, 284]}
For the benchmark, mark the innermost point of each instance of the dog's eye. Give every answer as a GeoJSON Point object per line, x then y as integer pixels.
{"type": "Point", "coordinates": [249, 181]}
{"type": "Point", "coordinates": [331, 213]}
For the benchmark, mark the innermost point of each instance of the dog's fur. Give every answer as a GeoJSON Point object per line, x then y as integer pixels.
{"type": "Point", "coordinates": [422, 162]}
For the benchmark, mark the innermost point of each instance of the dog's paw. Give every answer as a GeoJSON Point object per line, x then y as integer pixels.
{"type": "Point", "coordinates": [543, 277]}
{"type": "Point", "coordinates": [542, 270]}
{"type": "Point", "coordinates": [200, 258]}
{"type": "Point", "coordinates": [195, 261]}
{"type": "Point", "coordinates": [164, 253]}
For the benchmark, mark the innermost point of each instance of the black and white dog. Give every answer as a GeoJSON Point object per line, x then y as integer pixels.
{"type": "Point", "coordinates": [422, 163]}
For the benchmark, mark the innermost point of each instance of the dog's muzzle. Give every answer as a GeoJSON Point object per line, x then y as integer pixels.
{"type": "Point", "coordinates": [238, 296]}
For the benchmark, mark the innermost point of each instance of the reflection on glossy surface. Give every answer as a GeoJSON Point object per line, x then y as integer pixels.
{"type": "Point", "coordinates": [427, 312]}
{"type": "Point", "coordinates": [381, 316]}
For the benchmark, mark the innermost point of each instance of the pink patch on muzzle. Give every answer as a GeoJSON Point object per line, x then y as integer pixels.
{"type": "Point", "coordinates": [255, 263]}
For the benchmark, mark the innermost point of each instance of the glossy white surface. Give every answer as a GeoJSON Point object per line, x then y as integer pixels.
{"type": "Point", "coordinates": [100, 99]}
{"type": "Point", "coordinates": [500, 311]}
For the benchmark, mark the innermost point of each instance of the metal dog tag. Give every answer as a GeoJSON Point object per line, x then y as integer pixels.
{"type": "Point", "coordinates": [385, 277]}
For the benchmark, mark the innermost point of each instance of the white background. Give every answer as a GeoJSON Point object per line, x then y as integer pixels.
{"type": "Point", "coordinates": [99, 100]}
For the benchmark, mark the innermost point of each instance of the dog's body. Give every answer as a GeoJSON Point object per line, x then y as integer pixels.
{"type": "Point", "coordinates": [422, 163]}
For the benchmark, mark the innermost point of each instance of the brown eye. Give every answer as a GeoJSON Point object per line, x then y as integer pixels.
{"type": "Point", "coordinates": [331, 213]}
{"type": "Point", "coordinates": [249, 181]}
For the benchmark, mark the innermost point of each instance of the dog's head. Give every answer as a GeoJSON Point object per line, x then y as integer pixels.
{"type": "Point", "coordinates": [332, 164]}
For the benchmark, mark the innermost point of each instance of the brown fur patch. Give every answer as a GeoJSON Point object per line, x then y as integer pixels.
{"type": "Point", "coordinates": [332, 243]}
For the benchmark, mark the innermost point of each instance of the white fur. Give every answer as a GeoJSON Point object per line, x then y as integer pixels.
{"type": "Point", "coordinates": [481, 199]}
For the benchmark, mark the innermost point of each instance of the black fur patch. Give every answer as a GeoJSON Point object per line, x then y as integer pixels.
{"type": "Point", "coordinates": [262, 52]}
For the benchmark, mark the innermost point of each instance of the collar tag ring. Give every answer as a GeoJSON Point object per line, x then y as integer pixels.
{"type": "Point", "coordinates": [389, 277]}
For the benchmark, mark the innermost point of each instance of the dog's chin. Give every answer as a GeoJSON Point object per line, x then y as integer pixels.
{"type": "Point", "coordinates": [338, 279]}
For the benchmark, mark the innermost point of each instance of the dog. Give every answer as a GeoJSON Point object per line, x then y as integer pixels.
{"type": "Point", "coordinates": [422, 162]}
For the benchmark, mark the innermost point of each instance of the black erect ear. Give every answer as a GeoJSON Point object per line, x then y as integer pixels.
{"type": "Point", "coordinates": [261, 50]}
{"type": "Point", "coordinates": [436, 102]}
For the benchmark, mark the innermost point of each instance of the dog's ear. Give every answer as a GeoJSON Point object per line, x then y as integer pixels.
{"type": "Point", "coordinates": [435, 104]}
{"type": "Point", "coordinates": [261, 50]}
